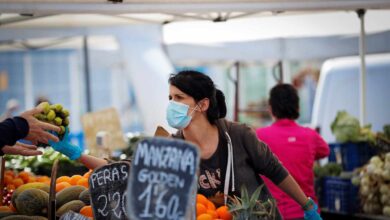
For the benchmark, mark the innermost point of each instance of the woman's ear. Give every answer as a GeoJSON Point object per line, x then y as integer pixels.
{"type": "Point", "coordinates": [204, 105]}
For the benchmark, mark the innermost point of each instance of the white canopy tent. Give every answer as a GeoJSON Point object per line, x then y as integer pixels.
{"type": "Point", "coordinates": [183, 7]}
{"type": "Point", "coordinates": [26, 19]}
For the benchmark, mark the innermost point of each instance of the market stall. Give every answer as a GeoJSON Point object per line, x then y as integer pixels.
{"type": "Point", "coordinates": [100, 193]}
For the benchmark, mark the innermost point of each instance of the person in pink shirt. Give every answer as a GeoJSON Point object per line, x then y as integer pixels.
{"type": "Point", "coordinates": [297, 147]}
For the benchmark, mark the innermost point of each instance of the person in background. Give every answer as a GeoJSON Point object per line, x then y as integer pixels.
{"type": "Point", "coordinates": [27, 127]}
{"type": "Point", "coordinates": [11, 107]}
{"type": "Point", "coordinates": [296, 147]}
{"type": "Point", "coordinates": [41, 99]}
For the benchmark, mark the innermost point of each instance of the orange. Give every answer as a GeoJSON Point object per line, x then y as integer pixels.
{"type": "Point", "coordinates": [204, 217]}
{"type": "Point", "coordinates": [17, 182]}
{"type": "Point", "coordinates": [210, 205]}
{"type": "Point", "coordinates": [83, 182]}
{"type": "Point", "coordinates": [63, 179]}
{"type": "Point", "coordinates": [87, 174]}
{"type": "Point", "coordinates": [25, 176]}
{"type": "Point", "coordinates": [201, 199]}
{"type": "Point", "coordinates": [61, 186]}
{"type": "Point", "coordinates": [32, 179]}
{"type": "Point", "coordinates": [47, 182]}
{"type": "Point", "coordinates": [86, 211]}
{"type": "Point", "coordinates": [74, 179]}
{"type": "Point", "coordinates": [213, 213]}
{"type": "Point", "coordinates": [10, 187]}
{"type": "Point", "coordinates": [200, 209]}
{"type": "Point", "coordinates": [42, 179]}
{"type": "Point", "coordinates": [8, 179]}
{"type": "Point", "coordinates": [9, 172]}
{"type": "Point", "coordinates": [223, 213]}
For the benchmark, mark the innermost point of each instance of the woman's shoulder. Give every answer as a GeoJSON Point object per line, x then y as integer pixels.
{"type": "Point", "coordinates": [234, 128]}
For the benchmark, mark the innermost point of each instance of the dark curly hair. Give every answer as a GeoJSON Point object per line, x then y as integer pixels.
{"type": "Point", "coordinates": [284, 101]}
{"type": "Point", "coordinates": [200, 86]}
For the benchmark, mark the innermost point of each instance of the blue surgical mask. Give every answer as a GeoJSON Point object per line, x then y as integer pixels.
{"type": "Point", "coordinates": [177, 115]}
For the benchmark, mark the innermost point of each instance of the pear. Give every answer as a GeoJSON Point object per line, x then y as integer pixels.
{"type": "Point", "coordinates": [58, 121]}
{"type": "Point", "coordinates": [51, 115]}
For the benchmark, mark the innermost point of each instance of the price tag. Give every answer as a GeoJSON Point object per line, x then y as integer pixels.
{"type": "Point", "coordinates": [163, 177]}
{"type": "Point", "coordinates": [105, 120]}
{"type": "Point", "coordinates": [108, 185]}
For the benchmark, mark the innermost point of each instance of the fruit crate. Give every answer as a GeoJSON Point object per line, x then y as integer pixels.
{"type": "Point", "coordinates": [340, 195]}
{"type": "Point", "coordinates": [351, 155]}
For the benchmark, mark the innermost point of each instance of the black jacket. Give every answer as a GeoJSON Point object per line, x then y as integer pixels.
{"type": "Point", "coordinates": [11, 130]}
{"type": "Point", "coordinates": [249, 159]}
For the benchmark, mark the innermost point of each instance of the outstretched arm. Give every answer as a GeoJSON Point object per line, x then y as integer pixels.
{"type": "Point", "coordinates": [92, 162]}
{"type": "Point", "coordinates": [291, 188]}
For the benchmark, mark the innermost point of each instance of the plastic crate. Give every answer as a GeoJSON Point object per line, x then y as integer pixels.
{"type": "Point", "coordinates": [351, 155]}
{"type": "Point", "coordinates": [340, 195]}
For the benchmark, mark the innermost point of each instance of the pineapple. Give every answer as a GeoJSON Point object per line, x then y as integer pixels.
{"type": "Point", "coordinates": [251, 208]}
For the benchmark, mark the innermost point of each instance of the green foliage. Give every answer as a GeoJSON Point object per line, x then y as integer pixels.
{"type": "Point", "coordinates": [385, 135]}
{"type": "Point", "coordinates": [250, 207]}
{"type": "Point", "coordinates": [42, 164]}
{"type": "Point", "coordinates": [330, 169]}
{"type": "Point", "coordinates": [386, 131]}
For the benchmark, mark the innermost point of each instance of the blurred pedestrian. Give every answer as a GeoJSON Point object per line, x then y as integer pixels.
{"type": "Point", "coordinates": [296, 147]}
{"type": "Point", "coordinates": [10, 108]}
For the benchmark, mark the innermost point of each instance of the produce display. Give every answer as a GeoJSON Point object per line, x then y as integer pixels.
{"type": "Point", "coordinates": [346, 128]}
{"type": "Point", "coordinates": [206, 210]}
{"type": "Point", "coordinates": [374, 182]}
{"type": "Point", "coordinates": [250, 207]}
{"type": "Point", "coordinates": [54, 114]}
{"type": "Point", "coordinates": [42, 164]}
{"type": "Point", "coordinates": [385, 135]}
{"type": "Point", "coordinates": [329, 169]}
{"type": "Point", "coordinates": [31, 198]}
{"type": "Point", "coordinates": [15, 183]}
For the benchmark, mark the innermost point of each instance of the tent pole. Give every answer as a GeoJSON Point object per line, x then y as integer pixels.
{"type": "Point", "coordinates": [237, 89]}
{"type": "Point", "coordinates": [362, 52]}
{"type": "Point", "coordinates": [87, 73]}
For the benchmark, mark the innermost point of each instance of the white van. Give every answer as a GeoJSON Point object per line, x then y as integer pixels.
{"type": "Point", "coordinates": [338, 89]}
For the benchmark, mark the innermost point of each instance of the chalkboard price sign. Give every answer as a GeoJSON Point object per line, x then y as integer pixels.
{"type": "Point", "coordinates": [73, 216]}
{"type": "Point", "coordinates": [162, 180]}
{"type": "Point", "coordinates": [108, 185]}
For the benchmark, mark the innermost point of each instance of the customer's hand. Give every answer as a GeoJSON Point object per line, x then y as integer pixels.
{"type": "Point", "coordinates": [66, 148]}
{"type": "Point", "coordinates": [312, 212]}
{"type": "Point", "coordinates": [38, 130]}
{"type": "Point", "coordinates": [21, 149]}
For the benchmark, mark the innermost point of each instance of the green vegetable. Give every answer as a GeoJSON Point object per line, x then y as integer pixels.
{"type": "Point", "coordinates": [386, 131]}
{"type": "Point", "coordinates": [330, 169]}
{"type": "Point", "coordinates": [346, 128]}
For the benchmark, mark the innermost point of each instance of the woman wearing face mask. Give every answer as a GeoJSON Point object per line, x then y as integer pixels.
{"type": "Point", "coordinates": [231, 154]}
